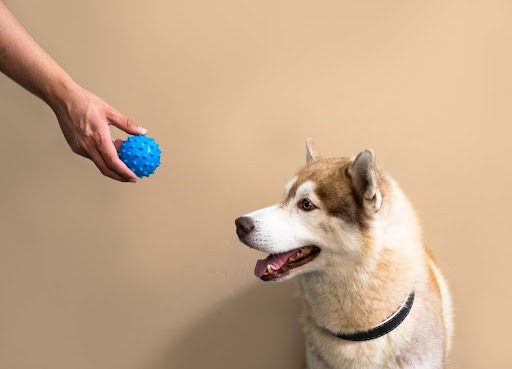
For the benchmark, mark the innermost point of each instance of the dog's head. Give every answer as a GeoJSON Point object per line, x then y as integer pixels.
{"type": "Point", "coordinates": [328, 211]}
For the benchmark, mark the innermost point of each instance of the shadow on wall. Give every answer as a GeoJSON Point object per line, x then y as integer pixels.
{"type": "Point", "coordinates": [230, 337]}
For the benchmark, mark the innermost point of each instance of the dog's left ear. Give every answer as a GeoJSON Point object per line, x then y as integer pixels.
{"type": "Point", "coordinates": [365, 179]}
{"type": "Point", "coordinates": [311, 153]}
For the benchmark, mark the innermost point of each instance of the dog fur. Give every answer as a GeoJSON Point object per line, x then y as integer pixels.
{"type": "Point", "coordinates": [371, 257]}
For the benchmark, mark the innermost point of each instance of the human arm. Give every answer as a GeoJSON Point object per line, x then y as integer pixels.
{"type": "Point", "coordinates": [84, 118]}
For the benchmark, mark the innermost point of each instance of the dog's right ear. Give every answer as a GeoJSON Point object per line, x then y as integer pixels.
{"type": "Point", "coordinates": [365, 179]}
{"type": "Point", "coordinates": [311, 153]}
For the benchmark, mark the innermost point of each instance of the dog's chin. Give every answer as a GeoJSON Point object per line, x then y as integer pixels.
{"type": "Point", "coordinates": [285, 265]}
{"type": "Point", "coordinates": [282, 278]}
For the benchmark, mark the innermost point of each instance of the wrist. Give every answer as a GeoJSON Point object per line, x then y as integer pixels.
{"type": "Point", "coordinates": [58, 93]}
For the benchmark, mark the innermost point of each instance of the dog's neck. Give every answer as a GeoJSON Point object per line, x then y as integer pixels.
{"type": "Point", "coordinates": [357, 293]}
{"type": "Point", "coordinates": [354, 301]}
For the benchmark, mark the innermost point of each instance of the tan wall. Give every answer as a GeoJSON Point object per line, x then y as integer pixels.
{"type": "Point", "coordinates": [97, 274]}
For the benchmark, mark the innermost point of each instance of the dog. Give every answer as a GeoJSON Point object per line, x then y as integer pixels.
{"type": "Point", "coordinates": [372, 294]}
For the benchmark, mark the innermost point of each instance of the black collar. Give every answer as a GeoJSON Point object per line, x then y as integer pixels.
{"type": "Point", "coordinates": [384, 328]}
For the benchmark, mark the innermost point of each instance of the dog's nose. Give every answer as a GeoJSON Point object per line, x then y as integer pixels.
{"type": "Point", "coordinates": [244, 226]}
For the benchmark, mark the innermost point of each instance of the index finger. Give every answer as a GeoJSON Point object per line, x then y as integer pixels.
{"type": "Point", "coordinates": [109, 153]}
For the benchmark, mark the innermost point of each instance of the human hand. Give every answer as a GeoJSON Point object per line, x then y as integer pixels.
{"type": "Point", "coordinates": [84, 119]}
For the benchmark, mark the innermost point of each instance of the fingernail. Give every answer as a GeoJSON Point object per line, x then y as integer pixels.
{"type": "Point", "coordinates": [133, 180]}
{"type": "Point", "coordinates": [143, 130]}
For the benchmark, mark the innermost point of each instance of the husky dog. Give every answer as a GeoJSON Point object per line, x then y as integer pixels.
{"type": "Point", "coordinates": [372, 294]}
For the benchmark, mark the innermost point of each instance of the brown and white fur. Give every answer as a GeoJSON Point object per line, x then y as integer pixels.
{"type": "Point", "coordinates": [371, 257]}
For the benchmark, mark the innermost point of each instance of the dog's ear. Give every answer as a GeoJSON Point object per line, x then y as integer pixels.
{"type": "Point", "coordinates": [365, 179]}
{"type": "Point", "coordinates": [311, 153]}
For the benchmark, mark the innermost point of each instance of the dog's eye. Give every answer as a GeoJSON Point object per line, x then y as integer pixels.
{"type": "Point", "coordinates": [306, 205]}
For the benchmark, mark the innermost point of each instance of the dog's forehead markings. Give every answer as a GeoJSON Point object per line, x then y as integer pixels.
{"type": "Point", "coordinates": [305, 189]}
{"type": "Point", "coordinates": [322, 172]}
{"type": "Point", "coordinates": [291, 190]}
{"type": "Point", "coordinates": [289, 185]}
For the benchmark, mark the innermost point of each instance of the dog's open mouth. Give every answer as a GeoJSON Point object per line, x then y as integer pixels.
{"type": "Point", "coordinates": [275, 266]}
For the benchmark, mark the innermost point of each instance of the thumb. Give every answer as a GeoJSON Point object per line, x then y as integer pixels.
{"type": "Point", "coordinates": [117, 144]}
{"type": "Point", "coordinates": [125, 124]}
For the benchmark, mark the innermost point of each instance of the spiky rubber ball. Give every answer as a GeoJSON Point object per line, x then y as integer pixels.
{"type": "Point", "coordinates": [141, 154]}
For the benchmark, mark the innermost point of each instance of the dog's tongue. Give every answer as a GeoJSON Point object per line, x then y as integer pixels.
{"type": "Point", "coordinates": [275, 262]}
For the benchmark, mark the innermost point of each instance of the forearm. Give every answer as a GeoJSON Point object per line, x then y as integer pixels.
{"type": "Point", "coordinates": [25, 62]}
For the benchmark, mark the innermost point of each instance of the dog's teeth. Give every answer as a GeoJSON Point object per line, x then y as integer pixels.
{"type": "Point", "coordinates": [269, 269]}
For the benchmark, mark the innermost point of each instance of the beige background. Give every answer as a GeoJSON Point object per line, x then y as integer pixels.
{"type": "Point", "coordinates": [103, 275]}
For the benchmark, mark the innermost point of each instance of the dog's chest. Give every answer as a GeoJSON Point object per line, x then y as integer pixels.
{"type": "Point", "coordinates": [393, 351]}
{"type": "Point", "coordinates": [332, 353]}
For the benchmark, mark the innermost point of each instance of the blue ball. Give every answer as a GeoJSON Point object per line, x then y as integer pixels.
{"type": "Point", "coordinates": [141, 154]}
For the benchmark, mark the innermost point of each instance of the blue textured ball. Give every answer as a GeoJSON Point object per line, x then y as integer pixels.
{"type": "Point", "coordinates": [141, 154]}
